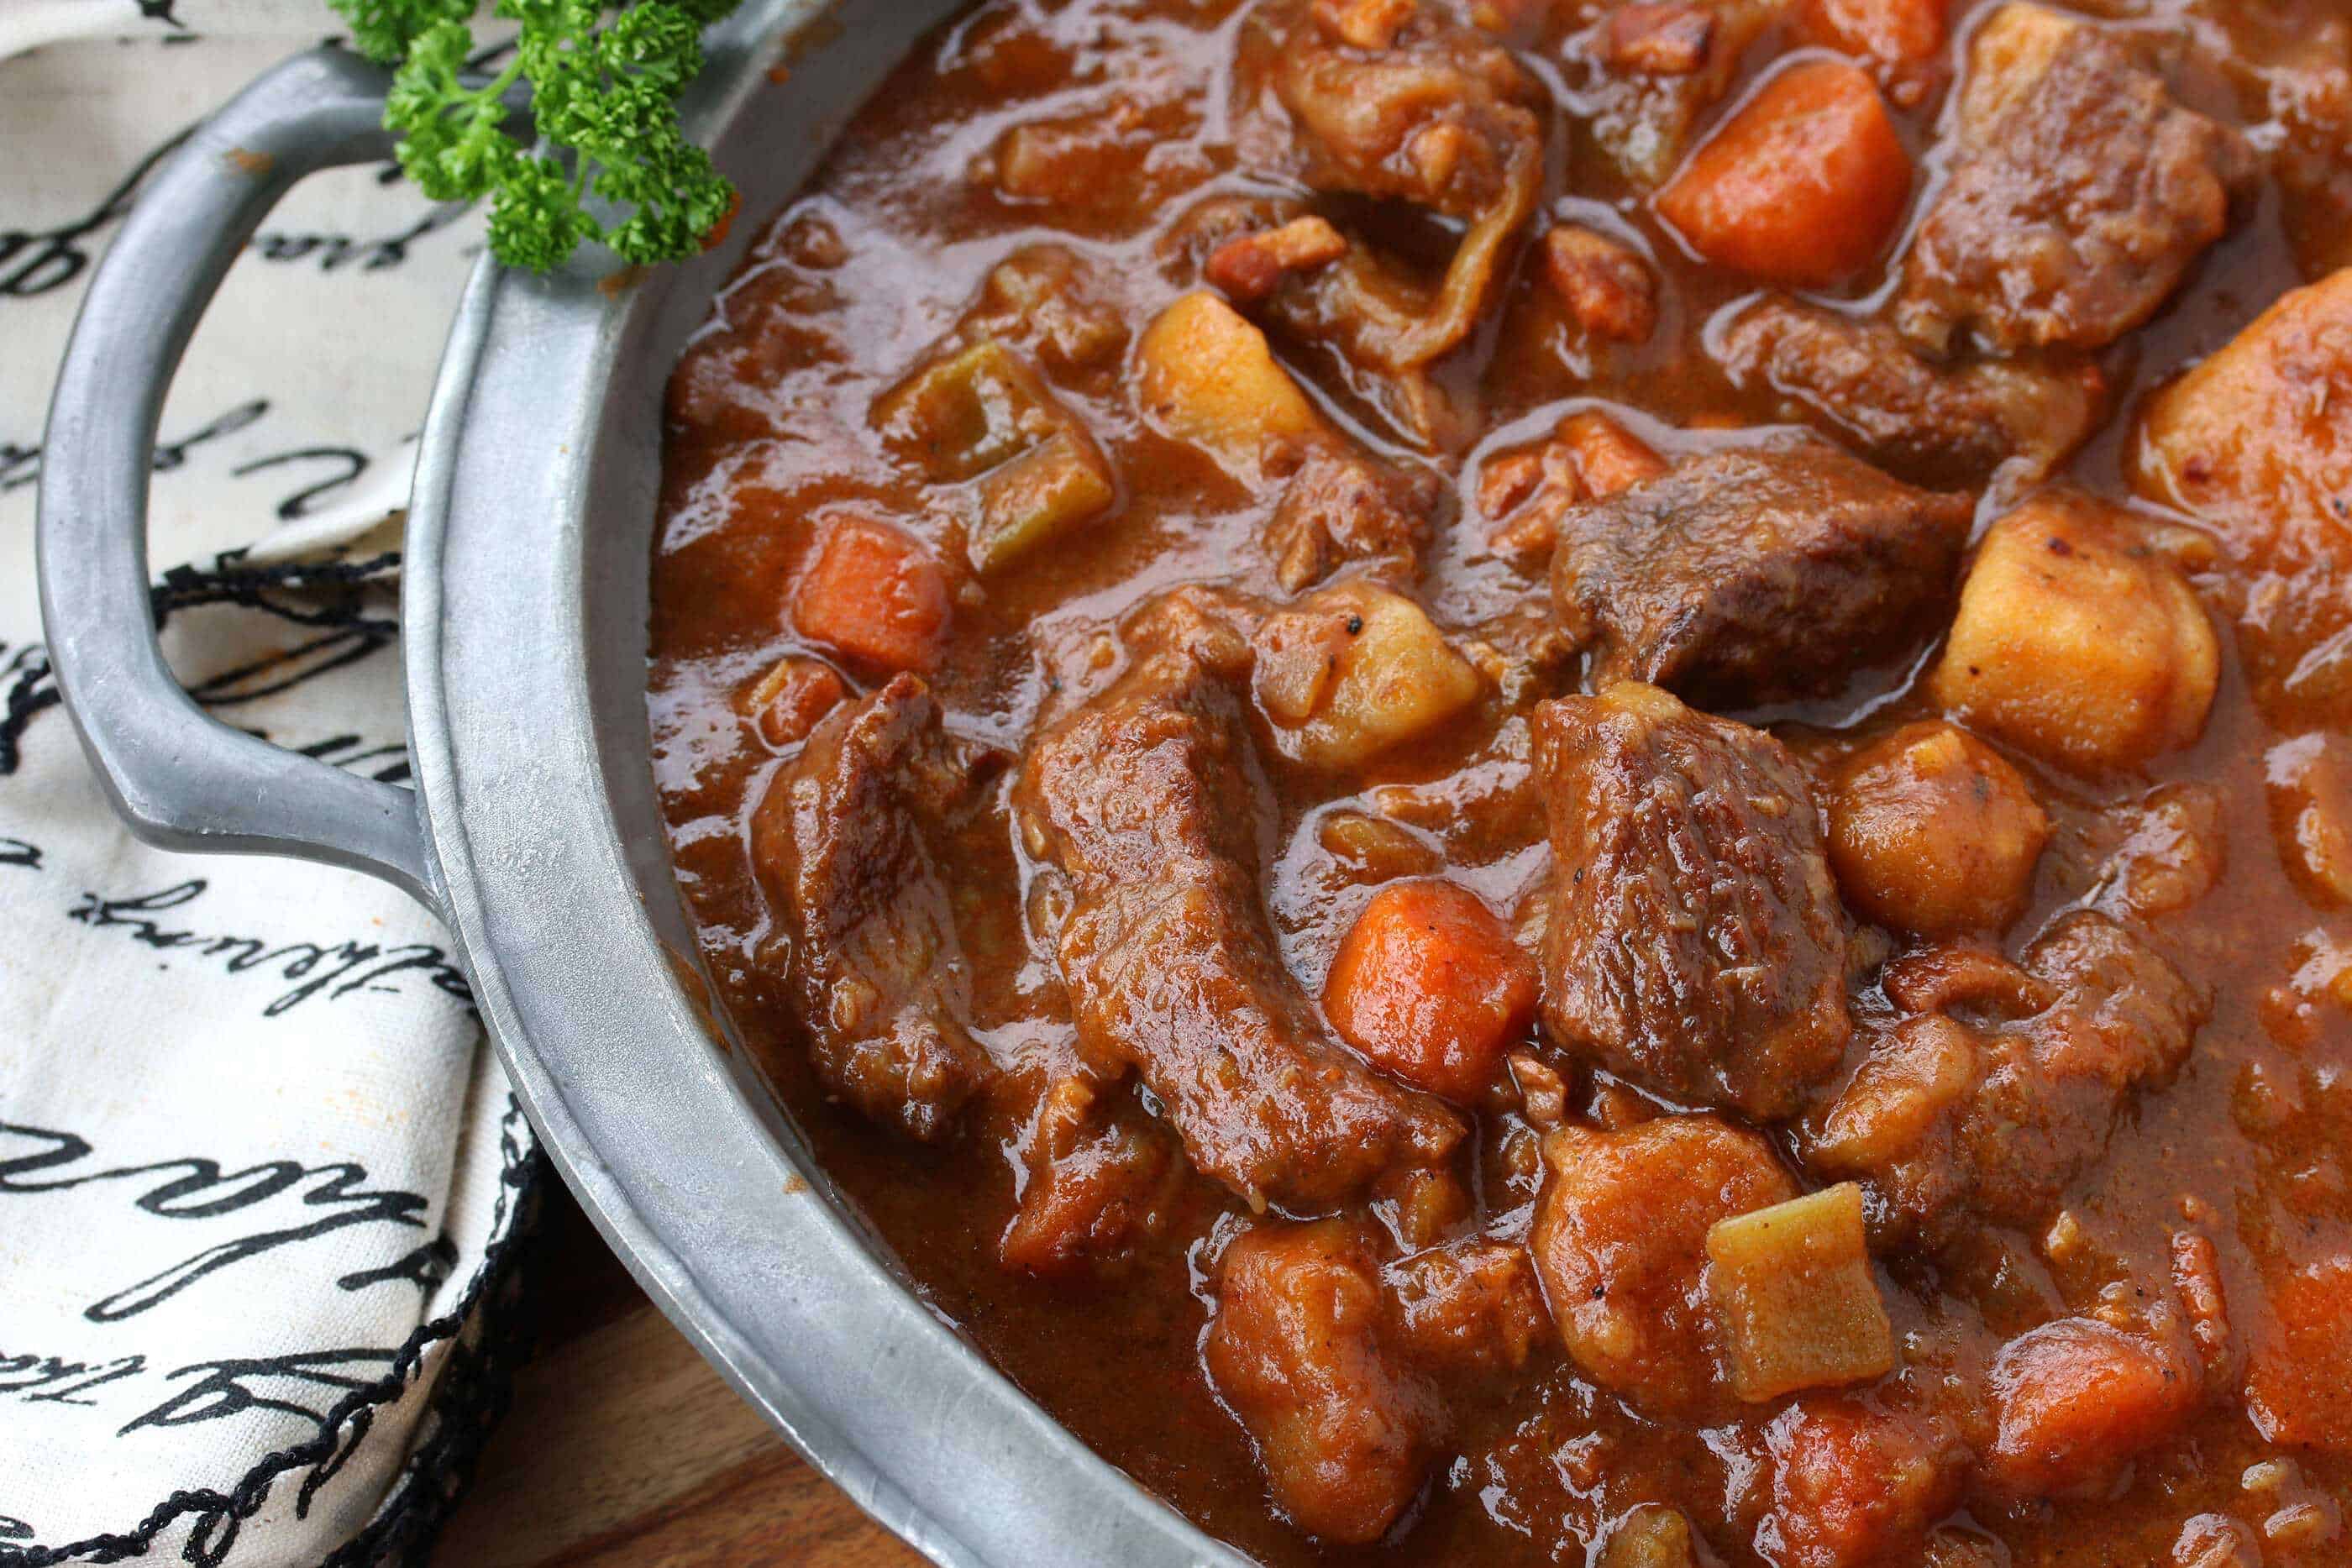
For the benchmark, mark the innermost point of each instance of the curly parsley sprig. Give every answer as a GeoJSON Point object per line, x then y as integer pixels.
{"type": "Point", "coordinates": [602, 91]}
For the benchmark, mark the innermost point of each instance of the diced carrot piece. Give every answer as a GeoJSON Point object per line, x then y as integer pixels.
{"type": "Point", "coordinates": [1609, 457]}
{"type": "Point", "coordinates": [786, 703]}
{"type": "Point", "coordinates": [1429, 985]}
{"type": "Point", "coordinates": [1803, 186]}
{"type": "Point", "coordinates": [2076, 1400]}
{"type": "Point", "coordinates": [875, 593]}
{"type": "Point", "coordinates": [2299, 1387]}
{"type": "Point", "coordinates": [1896, 32]}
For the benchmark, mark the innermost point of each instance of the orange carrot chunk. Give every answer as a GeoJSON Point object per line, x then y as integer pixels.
{"type": "Point", "coordinates": [1429, 985]}
{"type": "Point", "coordinates": [874, 594]}
{"type": "Point", "coordinates": [1609, 457]}
{"type": "Point", "coordinates": [2076, 1400]}
{"type": "Point", "coordinates": [1803, 187]}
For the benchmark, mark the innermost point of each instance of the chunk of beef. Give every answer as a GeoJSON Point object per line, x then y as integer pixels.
{"type": "Point", "coordinates": [1423, 110]}
{"type": "Point", "coordinates": [1470, 1307]}
{"type": "Point", "coordinates": [2080, 192]}
{"type": "Point", "coordinates": [1345, 1434]}
{"type": "Point", "coordinates": [1651, 72]}
{"type": "Point", "coordinates": [1588, 457]}
{"type": "Point", "coordinates": [1948, 1121]}
{"type": "Point", "coordinates": [1342, 505]}
{"type": "Point", "coordinates": [1101, 1178]}
{"type": "Point", "coordinates": [1044, 299]}
{"type": "Point", "coordinates": [1619, 1242]}
{"type": "Point", "coordinates": [1695, 942]}
{"type": "Point", "coordinates": [1859, 381]}
{"type": "Point", "coordinates": [1744, 575]}
{"type": "Point", "coordinates": [846, 844]}
{"type": "Point", "coordinates": [1144, 807]}
{"type": "Point", "coordinates": [1429, 111]}
{"type": "Point", "coordinates": [2256, 441]}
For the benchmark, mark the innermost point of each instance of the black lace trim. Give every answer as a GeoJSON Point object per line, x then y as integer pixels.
{"type": "Point", "coordinates": [33, 689]}
{"type": "Point", "coordinates": [473, 1392]}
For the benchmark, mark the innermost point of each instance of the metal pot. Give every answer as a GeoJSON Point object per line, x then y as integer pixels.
{"type": "Point", "coordinates": [534, 830]}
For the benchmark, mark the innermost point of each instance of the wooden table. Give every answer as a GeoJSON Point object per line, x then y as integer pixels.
{"type": "Point", "coordinates": [624, 1447]}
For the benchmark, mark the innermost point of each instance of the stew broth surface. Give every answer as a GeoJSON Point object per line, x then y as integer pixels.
{"type": "Point", "coordinates": [1140, 139]}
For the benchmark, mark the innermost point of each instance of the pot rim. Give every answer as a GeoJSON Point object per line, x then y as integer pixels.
{"type": "Point", "coordinates": [525, 625]}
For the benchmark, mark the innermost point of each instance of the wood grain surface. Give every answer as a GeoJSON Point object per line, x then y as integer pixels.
{"type": "Point", "coordinates": [624, 1447]}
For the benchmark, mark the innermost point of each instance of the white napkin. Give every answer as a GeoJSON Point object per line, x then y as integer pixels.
{"type": "Point", "coordinates": [259, 1169]}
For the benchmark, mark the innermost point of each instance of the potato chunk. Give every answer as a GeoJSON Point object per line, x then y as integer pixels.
{"type": "Point", "coordinates": [1930, 830]}
{"type": "Point", "coordinates": [1354, 670]}
{"type": "Point", "coordinates": [2077, 640]}
{"type": "Point", "coordinates": [1206, 376]}
{"type": "Point", "coordinates": [1619, 1245]}
{"type": "Point", "coordinates": [1296, 1350]}
{"type": "Point", "coordinates": [1651, 1536]}
{"type": "Point", "coordinates": [1793, 1291]}
{"type": "Point", "coordinates": [2257, 443]}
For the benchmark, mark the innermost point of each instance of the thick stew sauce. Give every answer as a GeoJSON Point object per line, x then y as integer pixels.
{"type": "Point", "coordinates": [1537, 781]}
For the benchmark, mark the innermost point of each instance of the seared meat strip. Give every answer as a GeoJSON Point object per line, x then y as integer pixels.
{"type": "Point", "coordinates": [1950, 1122]}
{"type": "Point", "coordinates": [1144, 807]}
{"type": "Point", "coordinates": [1860, 382]}
{"type": "Point", "coordinates": [843, 843]}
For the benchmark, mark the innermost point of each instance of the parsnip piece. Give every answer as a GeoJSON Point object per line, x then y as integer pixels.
{"type": "Point", "coordinates": [1795, 1297]}
{"type": "Point", "coordinates": [2078, 640]}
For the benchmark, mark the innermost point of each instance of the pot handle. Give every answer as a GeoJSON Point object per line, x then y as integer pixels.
{"type": "Point", "coordinates": [184, 779]}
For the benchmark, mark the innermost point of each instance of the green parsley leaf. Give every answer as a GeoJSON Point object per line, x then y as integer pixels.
{"type": "Point", "coordinates": [603, 82]}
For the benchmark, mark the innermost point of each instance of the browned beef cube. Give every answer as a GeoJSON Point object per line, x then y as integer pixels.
{"type": "Point", "coordinates": [845, 842]}
{"type": "Point", "coordinates": [1860, 382]}
{"type": "Point", "coordinates": [2079, 195]}
{"type": "Point", "coordinates": [1695, 943]}
{"type": "Point", "coordinates": [1749, 574]}
{"type": "Point", "coordinates": [1102, 1175]}
{"type": "Point", "coordinates": [1429, 112]}
{"type": "Point", "coordinates": [1650, 73]}
{"type": "Point", "coordinates": [1145, 806]}
{"type": "Point", "coordinates": [1951, 1122]}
